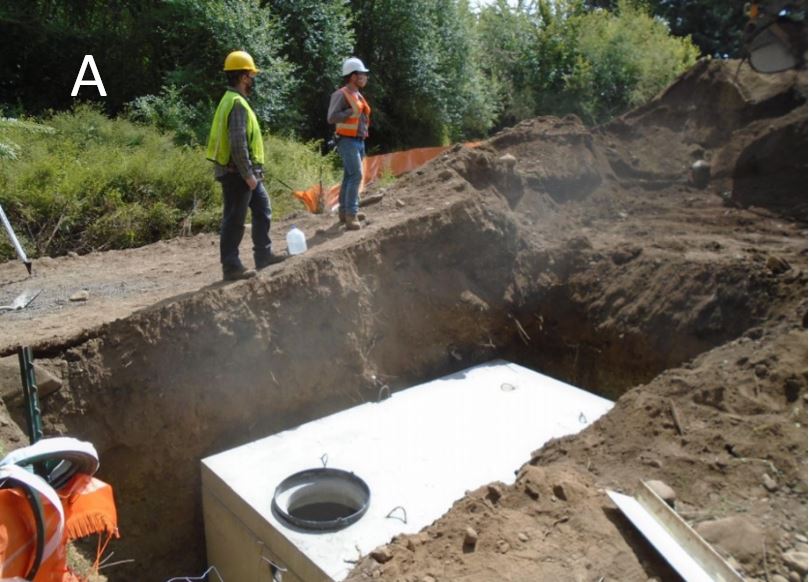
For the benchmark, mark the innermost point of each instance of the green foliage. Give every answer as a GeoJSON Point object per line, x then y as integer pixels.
{"type": "Point", "coordinates": [165, 48]}
{"type": "Point", "coordinates": [715, 26]}
{"type": "Point", "coordinates": [94, 183]}
{"type": "Point", "coordinates": [441, 72]}
{"type": "Point", "coordinates": [317, 36]}
{"type": "Point", "coordinates": [623, 60]}
{"type": "Point", "coordinates": [425, 86]}
{"type": "Point", "coordinates": [169, 112]}
{"type": "Point", "coordinates": [10, 150]}
{"type": "Point", "coordinates": [297, 165]}
{"type": "Point", "coordinates": [566, 59]}
{"type": "Point", "coordinates": [507, 36]}
{"type": "Point", "coordinates": [214, 28]}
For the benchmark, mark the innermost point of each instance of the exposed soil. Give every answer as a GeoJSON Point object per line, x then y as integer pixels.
{"type": "Point", "coordinates": [584, 254]}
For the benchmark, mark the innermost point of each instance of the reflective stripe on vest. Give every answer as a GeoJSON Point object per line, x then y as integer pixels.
{"type": "Point", "coordinates": [351, 126]}
{"type": "Point", "coordinates": [219, 141]}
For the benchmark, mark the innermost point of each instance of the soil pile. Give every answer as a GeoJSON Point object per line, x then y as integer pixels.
{"type": "Point", "coordinates": [582, 253]}
{"type": "Point", "coordinates": [656, 272]}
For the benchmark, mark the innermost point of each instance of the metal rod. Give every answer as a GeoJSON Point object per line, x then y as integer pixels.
{"type": "Point", "coordinates": [33, 414]}
{"type": "Point", "coordinates": [17, 246]}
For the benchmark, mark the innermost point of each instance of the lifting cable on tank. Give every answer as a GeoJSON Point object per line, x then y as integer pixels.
{"type": "Point", "coordinates": [204, 575]}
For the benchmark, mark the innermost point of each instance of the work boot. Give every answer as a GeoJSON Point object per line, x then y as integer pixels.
{"type": "Point", "coordinates": [352, 223]}
{"type": "Point", "coordinates": [237, 274]}
{"type": "Point", "coordinates": [271, 259]}
{"type": "Point", "coordinates": [360, 216]}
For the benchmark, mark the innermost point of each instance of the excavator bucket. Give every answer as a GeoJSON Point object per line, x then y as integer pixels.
{"type": "Point", "coordinates": [775, 35]}
{"type": "Point", "coordinates": [770, 53]}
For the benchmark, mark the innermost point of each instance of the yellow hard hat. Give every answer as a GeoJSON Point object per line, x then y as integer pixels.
{"type": "Point", "coordinates": [240, 61]}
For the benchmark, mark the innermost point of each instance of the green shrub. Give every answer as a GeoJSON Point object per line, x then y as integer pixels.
{"type": "Point", "coordinates": [623, 60]}
{"type": "Point", "coordinates": [94, 183]}
{"type": "Point", "coordinates": [169, 112]}
{"type": "Point", "coordinates": [290, 164]}
{"type": "Point", "coordinates": [560, 58]}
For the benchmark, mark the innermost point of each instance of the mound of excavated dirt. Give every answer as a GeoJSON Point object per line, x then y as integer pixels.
{"type": "Point", "coordinates": [582, 253]}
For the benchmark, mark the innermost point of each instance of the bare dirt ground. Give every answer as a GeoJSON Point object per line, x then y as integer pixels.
{"type": "Point", "coordinates": [583, 253]}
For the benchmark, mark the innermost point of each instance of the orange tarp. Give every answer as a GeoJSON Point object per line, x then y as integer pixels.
{"type": "Point", "coordinates": [89, 508]}
{"type": "Point", "coordinates": [396, 164]}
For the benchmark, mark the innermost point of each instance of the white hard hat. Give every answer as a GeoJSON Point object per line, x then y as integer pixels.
{"type": "Point", "coordinates": [353, 65]}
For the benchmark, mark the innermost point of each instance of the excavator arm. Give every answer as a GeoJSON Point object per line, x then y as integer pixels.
{"type": "Point", "coordinates": [775, 35]}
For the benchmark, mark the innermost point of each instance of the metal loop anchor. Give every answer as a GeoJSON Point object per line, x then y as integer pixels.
{"type": "Point", "coordinates": [381, 396]}
{"type": "Point", "coordinates": [272, 564]}
{"type": "Point", "coordinates": [391, 516]}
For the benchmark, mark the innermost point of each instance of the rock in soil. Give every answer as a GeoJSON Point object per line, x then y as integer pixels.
{"type": "Point", "coordinates": [382, 555]}
{"type": "Point", "coordinates": [796, 561]}
{"type": "Point", "coordinates": [80, 296]}
{"type": "Point", "coordinates": [736, 535]}
{"type": "Point", "coordinates": [663, 491]}
{"type": "Point", "coordinates": [770, 484]}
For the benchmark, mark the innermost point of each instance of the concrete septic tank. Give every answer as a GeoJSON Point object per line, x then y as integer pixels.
{"type": "Point", "coordinates": [417, 452]}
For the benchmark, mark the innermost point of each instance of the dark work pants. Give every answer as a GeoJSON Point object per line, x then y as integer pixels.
{"type": "Point", "coordinates": [237, 198]}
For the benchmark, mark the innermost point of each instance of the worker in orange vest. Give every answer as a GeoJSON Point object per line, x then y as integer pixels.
{"type": "Point", "coordinates": [351, 115]}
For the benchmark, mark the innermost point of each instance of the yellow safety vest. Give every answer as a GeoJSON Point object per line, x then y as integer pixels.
{"type": "Point", "coordinates": [219, 140]}
{"type": "Point", "coordinates": [351, 126]}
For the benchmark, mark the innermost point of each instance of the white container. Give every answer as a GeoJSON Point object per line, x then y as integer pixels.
{"type": "Point", "coordinates": [296, 241]}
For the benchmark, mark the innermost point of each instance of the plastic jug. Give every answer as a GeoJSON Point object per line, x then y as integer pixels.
{"type": "Point", "coordinates": [296, 241]}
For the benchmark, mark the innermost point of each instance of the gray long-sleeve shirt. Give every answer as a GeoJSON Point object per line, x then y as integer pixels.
{"type": "Point", "coordinates": [340, 110]}
{"type": "Point", "coordinates": [239, 152]}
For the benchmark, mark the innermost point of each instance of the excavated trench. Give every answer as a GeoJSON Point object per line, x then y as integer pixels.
{"type": "Point", "coordinates": [435, 293]}
{"type": "Point", "coordinates": [546, 259]}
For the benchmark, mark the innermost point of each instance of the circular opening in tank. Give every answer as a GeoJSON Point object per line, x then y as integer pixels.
{"type": "Point", "coordinates": [321, 499]}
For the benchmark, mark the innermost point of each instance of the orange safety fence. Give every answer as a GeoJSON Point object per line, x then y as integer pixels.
{"type": "Point", "coordinates": [317, 199]}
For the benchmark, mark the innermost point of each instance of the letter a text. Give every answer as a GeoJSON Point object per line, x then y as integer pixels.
{"type": "Point", "coordinates": [88, 60]}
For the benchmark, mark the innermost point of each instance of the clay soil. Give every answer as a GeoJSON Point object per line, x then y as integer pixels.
{"type": "Point", "coordinates": [584, 253]}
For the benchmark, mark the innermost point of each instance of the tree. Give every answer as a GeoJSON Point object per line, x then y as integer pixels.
{"type": "Point", "coordinates": [425, 85]}
{"type": "Point", "coordinates": [214, 28]}
{"type": "Point", "coordinates": [317, 36]}
{"type": "Point", "coordinates": [715, 26]}
{"type": "Point", "coordinates": [566, 58]}
{"type": "Point", "coordinates": [140, 47]}
{"type": "Point", "coordinates": [43, 43]}
{"type": "Point", "coordinates": [623, 59]}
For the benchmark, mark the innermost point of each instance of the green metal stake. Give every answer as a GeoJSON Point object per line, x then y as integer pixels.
{"type": "Point", "coordinates": [33, 414]}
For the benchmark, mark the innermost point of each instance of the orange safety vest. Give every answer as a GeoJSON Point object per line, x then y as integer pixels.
{"type": "Point", "coordinates": [351, 126]}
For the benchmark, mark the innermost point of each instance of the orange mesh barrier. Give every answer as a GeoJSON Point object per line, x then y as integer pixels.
{"type": "Point", "coordinates": [397, 163]}
{"type": "Point", "coordinates": [89, 508]}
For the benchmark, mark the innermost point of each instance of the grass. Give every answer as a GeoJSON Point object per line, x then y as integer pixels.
{"type": "Point", "coordinates": [80, 181]}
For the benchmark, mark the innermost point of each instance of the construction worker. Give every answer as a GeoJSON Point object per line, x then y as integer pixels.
{"type": "Point", "coordinates": [236, 148]}
{"type": "Point", "coordinates": [351, 114]}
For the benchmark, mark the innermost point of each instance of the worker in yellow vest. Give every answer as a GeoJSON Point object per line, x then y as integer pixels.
{"type": "Point", "coordinates": [351, 115]}
{"type": "Point", "coordinates": [236, 148]}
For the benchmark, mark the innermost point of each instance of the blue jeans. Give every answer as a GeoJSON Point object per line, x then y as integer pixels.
{"type": "Point", "coordinates": [237, 198]}
{"type": "Point", "coordinates": [352, 151]}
